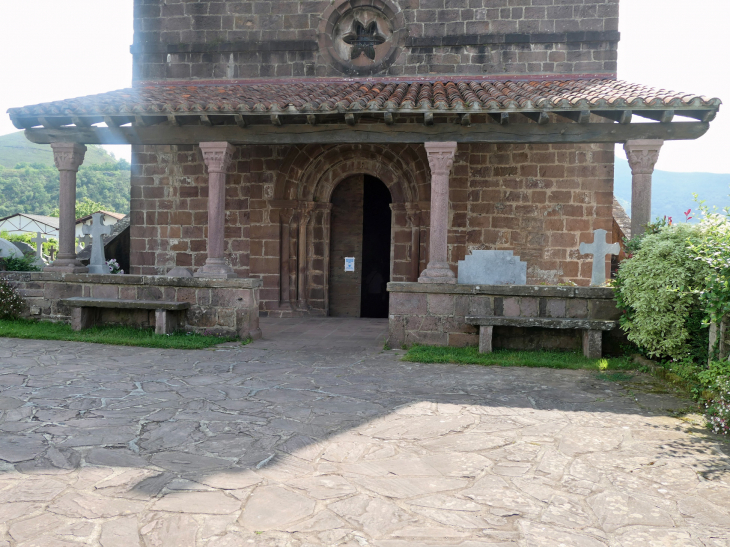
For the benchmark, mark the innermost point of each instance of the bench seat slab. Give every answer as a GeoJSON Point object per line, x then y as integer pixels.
{"type": "Point", "coordinates": [83, 302]}
{"type": "Point", "coordinates": [544, 322]}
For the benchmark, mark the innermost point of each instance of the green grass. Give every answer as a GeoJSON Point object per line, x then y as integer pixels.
{"type": "Point", "coordinates": [114, 335]}
{"type": "Point", "coordinates": [508, 358]}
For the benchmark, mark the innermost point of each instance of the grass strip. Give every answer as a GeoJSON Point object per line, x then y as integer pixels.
{"type": "Point", "coordinates": [107, 334]}
{"type": "Point", "coordinates": [510, 358]}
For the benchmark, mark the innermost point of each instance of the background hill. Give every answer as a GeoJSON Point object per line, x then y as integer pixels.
{"type": "Point", "coordinates": [15, 149]}
{"type": "Point", "coordinates": [29, 180]}
{"type": "Point", "coordinates": [672, 192]}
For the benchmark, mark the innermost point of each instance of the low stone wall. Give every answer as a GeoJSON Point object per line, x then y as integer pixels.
{"type": "Point", "coordinates": [433, 314]}
{"type": "Point", "coordinates": [227, 307]}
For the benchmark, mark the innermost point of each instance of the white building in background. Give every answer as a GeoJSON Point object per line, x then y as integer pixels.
{"type": "Point", "coordinates": [23, 223]}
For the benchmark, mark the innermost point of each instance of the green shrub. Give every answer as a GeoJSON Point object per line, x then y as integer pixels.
{"type": "Point", "coordinates": [25, 263]}
{"type": "Point", "coordinates": [718, 408]}
{"type": "Point", "coordinates": [11, 303]}
{"type": "Point", "coordinates": [659, 291]}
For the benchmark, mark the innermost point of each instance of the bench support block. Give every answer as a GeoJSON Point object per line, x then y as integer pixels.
{"type": "Point", "coordinates": [84, 318]}
{"type": "Point", "coordinates": [485, 338]}
{"type": "Point", "coordinates": [168, 321]}
{"type": "Point", "coordinates": [593, 344]}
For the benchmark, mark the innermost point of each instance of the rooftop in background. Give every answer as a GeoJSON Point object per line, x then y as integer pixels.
{"type": "Point", "coordinates": [118, 216]}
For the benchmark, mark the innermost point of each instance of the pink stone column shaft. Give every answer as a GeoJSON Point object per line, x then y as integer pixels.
{"type": "Point", "coordinates": [217, 156]}
{"type": "Point", "coordinates": [68, 157]}
{"type": "Point", "coordinates": [441, 159]}
{"type": "Point", "coordinates": [642, 156]}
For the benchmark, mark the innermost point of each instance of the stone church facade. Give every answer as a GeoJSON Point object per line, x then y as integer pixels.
{"type": "Point", "coordinates": [341, 157]}
{"type": "Point", "coordinates": [539, 200]}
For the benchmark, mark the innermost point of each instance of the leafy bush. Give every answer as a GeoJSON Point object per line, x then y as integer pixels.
{"type": "Point", "coordinates": [11, 303]}
{"type": "Point", "coordinates": [718, 409]}
{"type": "Point", "coordinates": [659, 289]}
{"type": "Point", "coordinates": [25, 263]}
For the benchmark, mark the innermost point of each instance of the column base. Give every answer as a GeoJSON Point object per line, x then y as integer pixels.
{"type": "Point", "coordinates": [66, 265]}
{"type": "Point", "coordinates": [437, 273]}
{"type": "Point", "coordinates": [216, 269]}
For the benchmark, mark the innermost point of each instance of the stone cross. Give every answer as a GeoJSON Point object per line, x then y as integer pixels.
{"type": "Point", "coordinates": [86, 240]}
{"type": "Point", "coordinates": [39, 240]}
{"type": "Point", "coordinates": [599, 249]}
{"type": "Point", "coordinates": [97, 264]}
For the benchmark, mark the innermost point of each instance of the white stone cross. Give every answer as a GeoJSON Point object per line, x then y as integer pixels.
{"type": "Point", "coordinates": [97, 264]}
{"type": "Point", "coordinates": [599, 249]}
{"type": "Point", "coordinates": [39, 240]}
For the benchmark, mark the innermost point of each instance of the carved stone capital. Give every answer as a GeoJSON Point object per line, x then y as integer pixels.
{"type": "Point", "coordinates": [642, 155]}
{"type": "Point", "coordinates": [440, 157]}
{"type": "Point", "coordinates": [217, 156]}
{"type": "Point", "coordinates": [68, 156]}
{"type": "Point", "coordinates": [413, 214]}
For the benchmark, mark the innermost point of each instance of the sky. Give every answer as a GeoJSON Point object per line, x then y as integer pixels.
{"type": "Point", "coordinates": [58, 49]}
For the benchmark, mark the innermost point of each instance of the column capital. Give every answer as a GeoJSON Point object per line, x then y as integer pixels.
{"type": "Point", "coordinates": [217, 155]}
{"type": "Point", "coordinates": [642, 155]}
{"type": "Point", "coordinates": [68, 156]}
{"type": "Point", "coordinates": [440, 156]}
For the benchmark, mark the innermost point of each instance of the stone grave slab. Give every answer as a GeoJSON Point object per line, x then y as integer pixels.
{"type": "Point", "coordinates": [8, 250]}
{"type": "Point", "coordinates": [492, 268]}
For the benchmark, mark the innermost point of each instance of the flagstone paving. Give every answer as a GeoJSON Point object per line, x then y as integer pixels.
{"type": "Point", "coordinates": [317, 436]}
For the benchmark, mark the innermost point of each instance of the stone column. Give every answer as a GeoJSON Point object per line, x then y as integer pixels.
{"type": "Point", "coordinates": [413, 216]}
{"type": "Point", "coordinates": [441, 159]}
{"type": "Point", "coordinates": [68, 158]}
{"type": "Point", "coordinates": [305, 214]}
{"type": "Point", "coordinates": [217, 157]}
{"type": "Point", "coordinates": [642, 156]}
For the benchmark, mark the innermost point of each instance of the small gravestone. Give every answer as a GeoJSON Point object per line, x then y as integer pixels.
{"type": "Point", "coordinates": [97, 264]}
{"type": "Point", "coordinates": [23, 247]}
{"type": "Point", "coordinates": [599, 249]}
{"type": "Point", "coordinates": [86, 240]}
{"type": "Point", "coordinates": [179, 272]}
{"type": "Point", "coordinates": [492, 268]}
{"type": "Point", "coordinates": [8, 250]}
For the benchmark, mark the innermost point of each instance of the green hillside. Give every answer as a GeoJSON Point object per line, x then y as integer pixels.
{"type": "Point", "coordinates": [29, 180]}
{"type": "Point", "coordinates": [671, 192]}
{"type": "Point", "coordinates": [15, 149]}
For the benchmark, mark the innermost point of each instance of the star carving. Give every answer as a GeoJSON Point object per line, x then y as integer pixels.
{"type": "Point", "coordinates": [363, 39]}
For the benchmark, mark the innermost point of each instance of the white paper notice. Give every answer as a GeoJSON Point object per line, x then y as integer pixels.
{"type": "Point", "coordinates": [349, 263]}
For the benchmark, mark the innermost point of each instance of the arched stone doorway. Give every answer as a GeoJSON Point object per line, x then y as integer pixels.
{"type": "Point", "coordinates": [361, 248]}
{"type": "Point", "coordinates": [302, 205]}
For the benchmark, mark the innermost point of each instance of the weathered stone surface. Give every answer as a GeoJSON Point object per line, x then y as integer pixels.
{"type": "Point", "coordinates": [274, 508]}
{"type": "Point", "coordinates": [280, 444]}
{"type": "Point", "coordinates": [210, 503]}
{"type": "Point", "coordinates": [492, 268]}
{"type": "Point", "coordinates": [120, 533]}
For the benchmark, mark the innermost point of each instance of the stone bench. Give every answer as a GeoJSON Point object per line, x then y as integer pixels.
{"type": "Point", "coordinates": [592, 330]}
{"type": "Point", "coordinates": [86, 312]}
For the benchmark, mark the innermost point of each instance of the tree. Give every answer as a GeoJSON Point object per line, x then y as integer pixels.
{"type": "Point", "coordinates": [85, 207]}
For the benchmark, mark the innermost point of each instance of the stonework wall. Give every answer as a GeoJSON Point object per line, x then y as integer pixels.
{"type": "Point", "coordinates": [214, 39]}
{"type": "Point", "coordinates": [541, 201]}
{"type": "Point", "coordinates": [435, 314]}
{"type": "Point", "coordinates": [227, 307]}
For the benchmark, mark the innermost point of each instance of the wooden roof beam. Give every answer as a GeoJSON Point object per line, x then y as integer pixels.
{"type": "Point", "coordinates": [704, 116]}
{"type": "Point", "coordinates": [502, 118]}
{"type": "Point", "coordinates": [578, 116]}
{"type": "Point", "coordinates": [662, 116]}
{"type": "Point", "coordinates": [541, 118]}
{"type": "Point", "coordinates": [621, 116]}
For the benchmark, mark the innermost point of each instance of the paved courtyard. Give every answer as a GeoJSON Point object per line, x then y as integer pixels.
{"type": "Point", "coordinates": [317, 436]}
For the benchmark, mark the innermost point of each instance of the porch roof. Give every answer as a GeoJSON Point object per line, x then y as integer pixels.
{"type": "Point", "coordinates": [371, 111]}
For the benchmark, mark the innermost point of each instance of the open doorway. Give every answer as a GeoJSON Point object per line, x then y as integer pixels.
{"type": "Point", "coordinates": [360, 242]}
{"type": "Point", "coordinates": [375, 248]}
